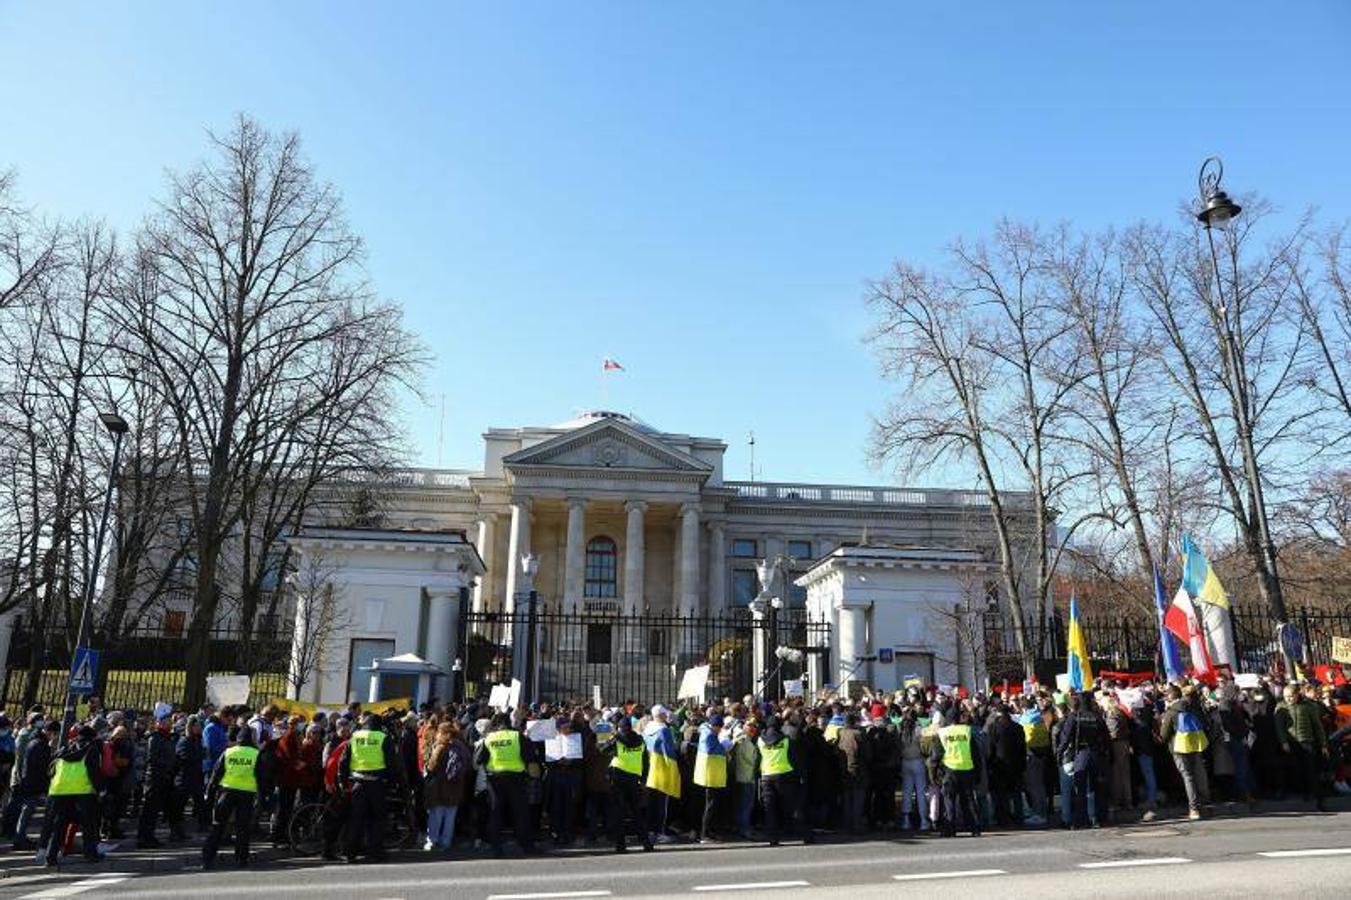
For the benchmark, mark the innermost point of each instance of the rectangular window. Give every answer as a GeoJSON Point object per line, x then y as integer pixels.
{"type": "Point", "coordinates": [800, 550]}
{"type": "Point", "coordinates": [656, 642]}
{"type": "Point", "coordinates": [173, 623]}
{"type": "Point", "coordinates": [598, 645]}
{"type": "Point", "coordinates": [365, 651]}
{"type": "Point", "coordinates": [745, 548]}
{"type": "Point", "coordinates": [745, 587]}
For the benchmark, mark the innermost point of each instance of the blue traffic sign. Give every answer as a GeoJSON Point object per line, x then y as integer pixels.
{"type": "Point", "coordinates": [85, 670]}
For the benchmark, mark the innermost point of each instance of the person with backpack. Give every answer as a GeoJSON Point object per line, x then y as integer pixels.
{"type": "Point", "coordinates": [445, 780]}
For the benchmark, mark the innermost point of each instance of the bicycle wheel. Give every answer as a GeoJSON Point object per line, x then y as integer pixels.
{"type": "Point", "coordinates": [307, 829]}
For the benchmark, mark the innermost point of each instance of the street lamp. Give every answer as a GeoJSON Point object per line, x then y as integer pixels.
{"type": "Point", "coordinates": [117, 427]}
{"type": "Point", "coordinates": [1218, 211]}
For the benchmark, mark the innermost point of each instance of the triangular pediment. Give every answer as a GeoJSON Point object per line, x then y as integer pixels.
{"type": "Point", "coordinates": [607, 444]}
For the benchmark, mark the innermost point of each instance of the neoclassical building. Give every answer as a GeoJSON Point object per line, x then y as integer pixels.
{"type": "Point", "coordinates": [623, 517]}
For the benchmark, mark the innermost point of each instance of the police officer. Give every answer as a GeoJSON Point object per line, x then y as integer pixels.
{"type": "Point", "coordinates": [503, 755]}
{"type": "Point", "coordinates": [234, 786]}
{"type": "Point", "coordinates": [70, 798]}
{"type": "Point", "coordinates": [369, 765]}
{"type": "Point", "coordinates": [954, 751]}
{"type": "Point", "coordinates": [626, 773]}
{"type": "Point", "coordinates": [780, 780]}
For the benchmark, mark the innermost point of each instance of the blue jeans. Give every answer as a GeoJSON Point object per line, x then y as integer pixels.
{"type": "Point", "coordinates": [1066, 781]}
{"type": "Point", "coordinates": [1151, 781]}
{"type": "Point", "coordinates": [745, 806]}
{"type": "Point", "coordinates": [441, 825]}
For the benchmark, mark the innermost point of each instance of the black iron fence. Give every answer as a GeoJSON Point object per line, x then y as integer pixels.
{"type": "Point", "coordinates": [138, 669]}
{"type": "Point", "coordinates": [1130, 642]}
{"type": "Point", "coordinates": [580, 652]}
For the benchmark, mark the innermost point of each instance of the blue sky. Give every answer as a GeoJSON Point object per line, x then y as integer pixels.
{"type": "Point", "coordinates": [698, 190]}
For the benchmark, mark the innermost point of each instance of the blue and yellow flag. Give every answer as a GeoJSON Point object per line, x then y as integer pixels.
{"type": "Point", "coordinates": [1199, 578]}
{"type": "Point", "coordinates": [663, 772]}
{"type": "Point", "coordinates": [1078, 669]}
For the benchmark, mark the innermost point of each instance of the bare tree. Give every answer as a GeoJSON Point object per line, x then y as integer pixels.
{"type": "Point", "coordinates": [924, 338]}
{"type": "Point", "coordinates": [247, 284]}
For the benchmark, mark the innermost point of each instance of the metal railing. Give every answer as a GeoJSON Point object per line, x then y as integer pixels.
{"type": "Point", "coordinates": [862, 494]}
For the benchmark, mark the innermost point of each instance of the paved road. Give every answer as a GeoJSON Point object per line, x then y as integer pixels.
{"type": "Point", "coordinates": [1307, 856]}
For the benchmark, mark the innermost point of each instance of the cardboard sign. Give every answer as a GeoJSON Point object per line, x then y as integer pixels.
{"type": "Point", "coordinates": [227, 690]}
{"type": "Point", "coordinates": [1341, 649]}
{"type": "Point", "coordinates": [692, 684]}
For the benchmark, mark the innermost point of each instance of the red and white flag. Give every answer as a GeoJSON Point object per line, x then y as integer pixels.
{"type": "Point", "coordinates": [1182, 620]}
{"type": "Point", "coordinates": [609, 365]}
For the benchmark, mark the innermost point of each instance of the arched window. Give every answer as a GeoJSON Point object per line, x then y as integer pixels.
{"type": "Point", "coordinates": [602, 558]}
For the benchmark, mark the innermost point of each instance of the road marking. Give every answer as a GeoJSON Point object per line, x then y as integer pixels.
{"type": "Point", "coordinates": [1126, 863]}
{"type": "Point", "coordinates": [751, 886]}
{"type": "Point", "coordinates": [1291, 854]}
{"type": "Point", "coordinates": [78, 887]}
{"type": "Point", "coordinates": [964, 873]}
{"type": "Point", "coordinates": [549, 895]}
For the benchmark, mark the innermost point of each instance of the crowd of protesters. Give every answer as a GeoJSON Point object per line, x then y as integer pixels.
{"type": "Point", "coordinates": [918, 760]}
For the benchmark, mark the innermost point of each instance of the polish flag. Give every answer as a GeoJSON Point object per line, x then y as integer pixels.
{"type": "Point", "coordinates": [609, 365]}
{"type": "Point", "coordinates": [1183, 621]}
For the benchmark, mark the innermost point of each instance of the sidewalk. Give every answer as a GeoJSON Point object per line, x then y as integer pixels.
{"type": "Point", "coordinates": [124, 857]}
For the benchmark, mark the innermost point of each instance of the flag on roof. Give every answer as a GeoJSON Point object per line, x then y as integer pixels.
{"type": "Point", "coordinates": [609, 365]}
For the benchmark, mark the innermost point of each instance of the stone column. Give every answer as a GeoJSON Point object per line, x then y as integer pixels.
{"type": "Point", "coordinates": [689, 559]}
{"type": "Point", "coordinates": [634, 557]}
{"type": "Point", "coordinates": [517, 546]}
{"type": "Point", "coordinates": [574, 556]}
{"type": "Point", "coordinates": [853, 643]}
{"type": "Point", "coordinates": [717, 569]}
{"type": "Point", "coordinates": [443, 624]}
{"type": "Point", "coordinates": [487, 534]}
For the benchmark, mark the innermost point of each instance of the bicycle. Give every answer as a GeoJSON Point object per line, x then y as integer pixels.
{"type": "Point", "coordinates": [306, 830]}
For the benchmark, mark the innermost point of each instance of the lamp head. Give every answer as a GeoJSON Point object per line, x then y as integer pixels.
{"type": "Point", "coordinates": [114, 423]}
{"type": "Point", "coordinates": [1217, 210]}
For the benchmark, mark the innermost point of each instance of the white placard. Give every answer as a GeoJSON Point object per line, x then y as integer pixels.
{"type": "Point", "coordinates": [1062, 681]}
{"type": "Point", "coordinates": [1248, 680]}
{"type": "Point", "coordinates": [693, 682]}
{"type": "Point", "coordinates": [792, 687]}
{"type": "Point", "coordinates": [500, 698]}
{"type": "Point", "coordinates": [541, 729]}
{"type": "Point", "coordinates": [227, 690]}
{"type": "Point", "coordinates": [514, 697]}
{"type": "Point", "coordinates": [563, 746]}
{"type": "Point", "coordinates": [595, 696]}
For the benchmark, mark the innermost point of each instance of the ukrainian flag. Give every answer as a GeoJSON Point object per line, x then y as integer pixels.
{"type": "Point", "coordinates": [1079, 671]}
{"type": "Point", "coordinates": [1199, 578]}
{"type": "Point", "coordinates": [663, 772]}
{"type": "Point", "coordinates": [833, 727]}
{"type": "Point", "coordinates": [710, 764]}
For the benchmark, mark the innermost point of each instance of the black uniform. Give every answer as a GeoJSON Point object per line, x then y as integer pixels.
{"type": "Point", "coordinates": [368, 799]}
{"type": "Point", "coordinates": [624, 811]}
{"type": "Point", "coordinates": [229, 804]}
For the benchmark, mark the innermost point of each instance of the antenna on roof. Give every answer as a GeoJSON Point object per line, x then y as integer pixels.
{"type": "Point", "coordinates": [441, 431]}
{"type": "Point", "coordinates": [751, 441]}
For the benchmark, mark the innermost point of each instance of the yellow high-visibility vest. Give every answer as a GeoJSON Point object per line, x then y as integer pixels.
{"type": "Point", "coordinates": [71, 779]}
{"type": "Point", "coordinates": [628, 759]}
{"type": "Point", "coordinates": [957, 748]}
{"type": "Point", "coordinates": [240, 772]}
{"type": "Point", "coordinates": [504, 751]}
{"type": "Point", "coordinates": [368, 751]}
{"type": "Point", "coordinates": [774, 759]}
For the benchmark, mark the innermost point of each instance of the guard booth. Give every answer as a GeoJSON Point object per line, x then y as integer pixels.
{"type": "Point", "coordinates": [406, 675]}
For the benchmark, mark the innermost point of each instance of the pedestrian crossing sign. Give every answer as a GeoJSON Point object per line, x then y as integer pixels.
{"type": "Point", "coordinates": [84, 671]}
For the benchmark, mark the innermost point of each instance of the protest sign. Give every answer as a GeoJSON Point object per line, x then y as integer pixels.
{"type": "Point", "coordinates": [563, 746]}
{"type": "Point", "coordinates": [693, 683]}
{"type": "Point", "coordinates": [227, 690]}
{"type": "Point", "coordinates": [500, 697]}
{"type": "Point", "coordinates": [1341, 649]}
{"type": "Point", "coordinates": [792, 687]}
{"type": "Point", "coordinates": [541, 729]}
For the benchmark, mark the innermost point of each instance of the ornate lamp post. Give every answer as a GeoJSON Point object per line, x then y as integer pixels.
{"type": "Point", "coordinates": [1218, 212]}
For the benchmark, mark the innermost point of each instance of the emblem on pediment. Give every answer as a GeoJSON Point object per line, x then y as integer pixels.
{"type": "Point", "coordinates": [608, 453]}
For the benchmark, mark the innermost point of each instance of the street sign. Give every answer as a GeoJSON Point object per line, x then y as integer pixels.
{"type": "Point", "coordinates": [85, 670]}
